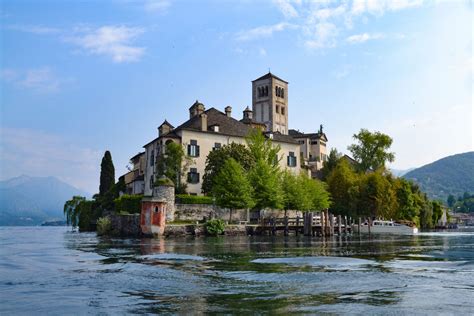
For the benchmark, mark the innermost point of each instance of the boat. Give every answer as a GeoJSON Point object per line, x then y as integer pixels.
{"type": "Point", "coordinates": [385, 227]}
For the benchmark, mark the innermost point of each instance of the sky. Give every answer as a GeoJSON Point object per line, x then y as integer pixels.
{"type": "Point", "coordinates": [81, 77]}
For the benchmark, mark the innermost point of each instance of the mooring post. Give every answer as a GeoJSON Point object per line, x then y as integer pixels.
{"type": "Point", "coordinates": [358, 225]}
{"type": "Point", "coordinates": [305, 223]}
{"type": "Point", "coordinates": [339, 224]}
{"type": "Point", "coordinates": [297, 224]}
{"type": "Point", "coordinates": [369, 223]}
{"type": "Point", "coordinates": [331, 225]}
{"type": "Point", "coordinates": [321, 222]}
{"type": "Point", "coordinates": [286, 226]}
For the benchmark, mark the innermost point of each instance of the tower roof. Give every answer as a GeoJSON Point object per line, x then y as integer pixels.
{"type": "Point", "coordinates": [269, 75]}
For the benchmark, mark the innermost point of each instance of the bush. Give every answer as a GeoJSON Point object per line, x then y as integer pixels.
{"type": "Point", "coordinates": [193, 199]}
{"type": "Point", "coordinates": [104, 226]}
{"type": "Point", "coordinates": [215, 227]}
{"type": "Point", "coordinates": [128, 204]}
{"type": "Point", "coordinates": [163, 181]}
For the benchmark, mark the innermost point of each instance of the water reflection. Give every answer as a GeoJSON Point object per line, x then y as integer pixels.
{"type": "Point", "coordinates": [429, 273]}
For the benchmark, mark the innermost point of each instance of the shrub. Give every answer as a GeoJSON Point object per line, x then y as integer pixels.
{"type": "Point", "coordinates": [163, 181]}
{"type": "Point", "coordinates": [193, 199]}
{"type": "Point", "coordinates": [215, 227]}
{"type": "Point", "coordinates": [128, 204]}
{"type": "Point", "coordinates": [104, 226]}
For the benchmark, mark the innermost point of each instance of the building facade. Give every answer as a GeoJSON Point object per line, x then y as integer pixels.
{"type": "Point", "coordinates": [207, 130]}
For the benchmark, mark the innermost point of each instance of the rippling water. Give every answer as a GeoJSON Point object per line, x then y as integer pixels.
{"type": "Point", "coordinates": [49, 270]}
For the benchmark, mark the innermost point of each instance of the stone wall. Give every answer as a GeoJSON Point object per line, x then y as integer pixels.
{"type": "Point", "coordinates": [126, 225]}
{"type": "Point", "coordinates": [198, 212]}
{"type": "Point", "coordinates": [166, 193]}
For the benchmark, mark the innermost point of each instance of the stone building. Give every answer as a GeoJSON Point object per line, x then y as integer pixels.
{"type": "Point", "coordinates": [207, 130]}
{"type": "Point", "coordinates": [134, 179]}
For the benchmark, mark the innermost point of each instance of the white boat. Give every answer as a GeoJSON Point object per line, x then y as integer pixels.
{"type": "Point", "coordinates": [385, 227]}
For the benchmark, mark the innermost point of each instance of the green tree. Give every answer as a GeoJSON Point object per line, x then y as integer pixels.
{"type": "Point", "coordinates": [231, 187]}
{"type": "Point", "coordinates": [262, 148]}
{"type": "Point", "coordinates": [72, 211]}
{"type": "Point", "coordinates": [316, 191]}
{"type": "Point", "coordinates": [217, 158]}
{"type": "Point", "coordinates": [265, 181]}
{"type": "Point", "coordinates": [330, 163]}
{"type": "Point", "coordinates": [451, 200]}
{"type": "Point", "coordinates": [343, 185]}
{"type": "Point", "coordinates": [295, 195]}
{"type": "Point", "coordinates": [371, 151]}
{"type": "Point", "coordinates": [173, 163]}
{"type": "Point", "coordinates": [437, 212]}
{"type": "Point", "coordinates": [377, 198]}
{"type": "Point", "coordinates": [107, 174]}
{"type": "Point", "coordinates": [407, 209]}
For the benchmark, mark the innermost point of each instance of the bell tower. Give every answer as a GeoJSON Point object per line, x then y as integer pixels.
{"type": "Point", "coordinates": [270, 102]}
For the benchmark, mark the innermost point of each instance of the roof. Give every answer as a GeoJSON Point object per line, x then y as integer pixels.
{"type": "Point", "coordinates": [297, 134]}
{"type": "Point", "coordinates": [166, 123]}
{"type": "Point", "coordinates": [171, 134]}
{"type": "Point", "coordinates": [279, 137]}
{"type": "Point", "coordinates": [137, 155]}
{"type": "Point", "coordinates": [269, 75]}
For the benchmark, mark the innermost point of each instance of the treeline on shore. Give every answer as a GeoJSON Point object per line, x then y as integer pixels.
{"type": "Point", "coordinates": [238, 177]}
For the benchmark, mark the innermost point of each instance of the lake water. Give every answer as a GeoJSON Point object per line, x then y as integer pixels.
{"type": "Point", "coordinates": [50, 270]}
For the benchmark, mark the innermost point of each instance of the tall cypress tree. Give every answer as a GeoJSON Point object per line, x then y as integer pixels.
{"type": "Point", "coordinates": [107, 174]}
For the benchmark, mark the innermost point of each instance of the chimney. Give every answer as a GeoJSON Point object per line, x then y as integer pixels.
{"type": "Point", "coordinates": [203, 117]}
{"type": "Point", "coordinates": [228, 111]}
{"type": "Point", "coordinates": [248, 114]}
{"type": "Point", "coordinates": [196, 109]}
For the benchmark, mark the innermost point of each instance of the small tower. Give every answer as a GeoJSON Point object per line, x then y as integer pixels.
{"type": "Point", "coordinates": [196, 109]}
{"type": "Point", "coordinates": [270, 102]}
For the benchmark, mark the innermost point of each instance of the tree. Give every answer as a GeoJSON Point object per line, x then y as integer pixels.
{"type": "Point", "coordinates": [437, 212]}
{"type": "Point", "coordinates": [71, 210]}
{"type": "Point", "coordinates": [264, 179]}
{"type": "Point", "coordinates": [371, 152]}
{"type": "Point", "coordinates": [451, 200]}
{"type": "Point", "coordinates": [173, 163]}
{"type": "Point", "coordinates": [295, 195]}
{"type": "Point", "coordinates": [377, 198]}
{"type": "Point", "coordinates": [343, 185]}
{"type": "Point", "coordinates": [262, 148]}
{"type": "Point", "coordinates": [407, 209]}
{"type": "Point", "coordinates": [231, 187]}
{"type": "Point", "coordinates": [217, 158]}
{"type": "Point", "coordinates": [330, 163]}
{"type": "Point", "coordinates": [316, 191]}
{"type": "Point", "coordinates": [107, 174]}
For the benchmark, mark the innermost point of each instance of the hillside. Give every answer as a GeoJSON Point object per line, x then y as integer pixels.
{"type": "Point", "coordinates": [450, 175]}
{"type": "Point", "coordinates": [28, 200]}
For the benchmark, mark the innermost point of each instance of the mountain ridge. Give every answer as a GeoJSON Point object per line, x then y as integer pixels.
{"type": "Point", "coordinates": [27, 200]}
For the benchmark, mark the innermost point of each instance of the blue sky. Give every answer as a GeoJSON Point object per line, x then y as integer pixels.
{"type": "Point", "coordinates": [80, 77]}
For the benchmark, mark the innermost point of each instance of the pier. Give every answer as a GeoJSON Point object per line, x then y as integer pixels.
{"type": "Point", "coordinates": [310, 224]}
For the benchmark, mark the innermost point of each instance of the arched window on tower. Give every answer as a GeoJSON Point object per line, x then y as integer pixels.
{"type": "Point", "coordinates": [266, 91]}
{"type": "Point", "coordinates": [276, 91]}
{"type": "Point", "coordinates": [282, 92]}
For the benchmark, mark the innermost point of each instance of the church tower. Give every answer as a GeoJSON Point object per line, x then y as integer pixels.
{"type": "Point", "coordinates": [270, 102]}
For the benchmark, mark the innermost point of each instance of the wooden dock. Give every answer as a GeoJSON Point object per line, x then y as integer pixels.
{"type": "Point", "coordinates": [310, 224]}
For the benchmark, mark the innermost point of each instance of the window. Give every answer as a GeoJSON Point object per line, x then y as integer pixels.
{"type": "Point", "coordinates": [301, 142]}
{"type": "Point", "coordinates": [277, 91]}
{"type": "Point", "coordinates": [193, 149]}
{"type": "Point", "coordinates": [152, 158]}
{"type": "Point", "coordinates": [291, 159]}
{"type": "Point", "coordinates": [193, 176]}
{"type": "Point", "coordinates": [216, 146]}
{"type": "Point", "coordinates": [278, 109]}
{"type": "Point", "coordinates": [282, 110]}
{"type": "Point", "coordinates": [282, 93]}
{"type": "Point", "coordinates": [314, 142]}
{"type": "Point", "coordinates": [266, 91]}
{"type": "Point", "coordinates": [151, 182]}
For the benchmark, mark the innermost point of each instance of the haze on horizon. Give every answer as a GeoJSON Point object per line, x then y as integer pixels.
{"type": "Point", "coordinates": [79, 78]}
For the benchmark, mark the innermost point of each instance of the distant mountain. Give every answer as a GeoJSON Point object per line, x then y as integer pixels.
{"type": "Point", "coordinates": [400, 172]}
{"type": "Point", "coordinates": [28, 200]}
{"type": "Point", "coordinates": [451, 175]}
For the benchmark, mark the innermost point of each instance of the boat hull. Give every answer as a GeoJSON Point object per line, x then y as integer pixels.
{"type": "Point", "coordinates": [397, 230]}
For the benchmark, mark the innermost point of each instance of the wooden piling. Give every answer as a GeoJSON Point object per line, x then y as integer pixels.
{"type": "Point", "coordinates": [339, 224]}
{"type": "Point", "coordinates": [273, 224]}
{"type": "Point", "coordinates": [369, 223]}
{"type": "Point", "coordinates": [297, 224]}
{"type": "Point", "coordinates": [286, 226]}
{"type": "Point", "coordinates": [331, 225]}
{"type": "Point", "coordinates": [359, 224]}
{"type": "Point", "coordinates": [323, 226]}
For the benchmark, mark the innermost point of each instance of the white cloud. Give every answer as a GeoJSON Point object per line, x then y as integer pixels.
{"type": "Point", "coordinates": [364, 37]}
{"type": "Point", "coordinates": [156, 5]}
{"type": "Point", "coordinates": [262, 52]}
{"type": "Point", "coordinates": [35, 29]}
{"type": "Point", "coordinates": [286, 8]}
{"type": "Point", "coordinates": [321, 35]}
{"type": "Point", "coordinates": [36, 153]}
{"type": "Point", "coordinates": [111, 41]}
{"type": "Point", "coordinates": [262, 31]}
{"type": "Point", "coordinates": [41, 79]}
